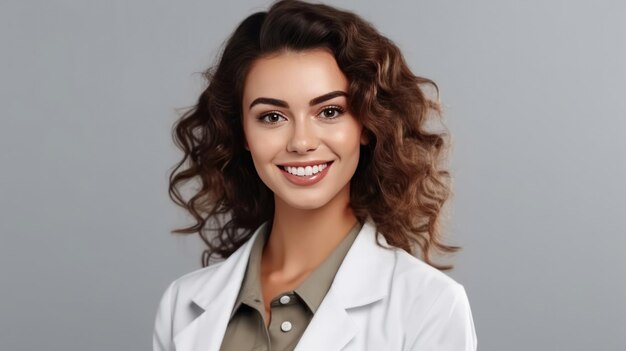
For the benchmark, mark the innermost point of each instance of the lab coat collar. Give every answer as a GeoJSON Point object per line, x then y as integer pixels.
{"type": "Point", "coordinates": [363, 278]}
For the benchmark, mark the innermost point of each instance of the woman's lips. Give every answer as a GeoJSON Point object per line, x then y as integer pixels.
{"type": "Point", "coordinates": [306, 180]}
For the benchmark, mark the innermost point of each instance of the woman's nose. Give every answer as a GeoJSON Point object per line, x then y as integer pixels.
{"type": "Point", "coordinates": [303, 137]}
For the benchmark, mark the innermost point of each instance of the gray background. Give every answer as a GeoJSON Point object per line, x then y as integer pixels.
{"type": "Point", "coordinates": [533, 92]}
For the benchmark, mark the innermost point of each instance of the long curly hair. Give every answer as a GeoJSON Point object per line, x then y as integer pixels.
{"type": "Point", "coordinates": [399, 182]}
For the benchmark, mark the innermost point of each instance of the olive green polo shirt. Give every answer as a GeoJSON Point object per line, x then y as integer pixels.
{"type": "Point", "coordinates": [291, 311]}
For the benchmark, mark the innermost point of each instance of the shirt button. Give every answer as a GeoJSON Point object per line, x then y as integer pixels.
{"type": "Point", "coordinates": [285, 326]}
{"type": "Point", "coordinates": [285, 299]}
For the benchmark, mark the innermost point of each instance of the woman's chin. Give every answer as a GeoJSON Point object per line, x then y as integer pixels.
{"type": "Point", "coordinates": [308, 205]}
{"type": "Point", "coordinates": [302, 202]}
{"type": "Point", "coordinates": [313, 199]}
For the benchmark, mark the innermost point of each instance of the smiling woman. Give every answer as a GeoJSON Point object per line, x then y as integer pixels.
{"type": "Point", "coordinates": [311, 141]}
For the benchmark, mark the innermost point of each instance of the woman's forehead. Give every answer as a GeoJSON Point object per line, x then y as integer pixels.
{"type": "Point", "coordinates": [294, 75]}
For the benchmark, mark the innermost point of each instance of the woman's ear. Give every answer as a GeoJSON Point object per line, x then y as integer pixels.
{"type": "Point", "coordinates": [364, 137]}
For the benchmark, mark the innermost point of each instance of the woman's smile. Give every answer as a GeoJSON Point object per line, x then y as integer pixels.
{"type": "Point", "coordinates": [307, 174]}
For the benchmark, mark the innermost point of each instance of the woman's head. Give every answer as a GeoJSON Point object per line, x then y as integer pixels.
{"type": "Point", "coordinates": [397, 180]}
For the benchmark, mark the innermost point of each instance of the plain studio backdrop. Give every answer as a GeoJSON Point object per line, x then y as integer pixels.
{"type": "Point", "coordinates": [534, 98]}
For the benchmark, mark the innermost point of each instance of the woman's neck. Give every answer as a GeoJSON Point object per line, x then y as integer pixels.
{"type": "Point", "coordinates": [301, 239]}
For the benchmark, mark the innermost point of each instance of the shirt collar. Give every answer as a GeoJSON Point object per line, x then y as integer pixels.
{"type": "Point", "coordinates": [250, 292]}
{"type": "Point", "coordinates": [312, 290]}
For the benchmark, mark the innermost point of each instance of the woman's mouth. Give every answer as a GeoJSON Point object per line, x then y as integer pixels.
{"type": "Point", "coordinates": [305, 175]}
{"type": "Point", "coordinates": [305, 171]}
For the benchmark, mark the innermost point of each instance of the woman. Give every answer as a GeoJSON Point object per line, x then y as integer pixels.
{"type": "Point", "coordinates": [319, 181]}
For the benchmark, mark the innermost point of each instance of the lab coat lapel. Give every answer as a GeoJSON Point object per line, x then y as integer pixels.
{"type": "Point", "coordinates": [364, 277]}
{"type": "Point", "coordinates": [330, 329]}
{"type": "Point", "coordinates": [216, 297]}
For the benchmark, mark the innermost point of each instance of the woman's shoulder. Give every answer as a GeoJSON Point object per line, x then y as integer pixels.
{"type": "Point", "coordinates": [433, 302]}
{"type": "Point", "coordinates": [420, 274]}
{"type": "Point", "coordinates": [426, 284]}
{"type": "Point", "coordinates": [410, 276]}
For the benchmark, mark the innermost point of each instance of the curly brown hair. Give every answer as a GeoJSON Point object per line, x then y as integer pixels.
{"type": "Point", "coordinates": [399, 182]}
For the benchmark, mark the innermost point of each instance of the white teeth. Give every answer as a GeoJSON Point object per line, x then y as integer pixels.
{"type": "Point", "coordinates": [306, 171]}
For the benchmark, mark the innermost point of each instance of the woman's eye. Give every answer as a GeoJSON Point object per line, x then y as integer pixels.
{"type": "Point", "coordinates": [331, 112]}
{"type": "Point", "coordinates": [271, 118]}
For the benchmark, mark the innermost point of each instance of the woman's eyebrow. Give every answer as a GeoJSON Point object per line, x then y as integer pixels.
{"type": "Point", "coordinates": [313, 102]}
{"type": "Point", "coordinates": [331, 95]}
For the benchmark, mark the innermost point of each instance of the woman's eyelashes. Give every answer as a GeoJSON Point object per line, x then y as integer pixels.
{"type": "Point", "coordinates": [338, 109]}
{"type": "Point", "coordinates": [270, 118]}
{"type": "Point", "coordinates": [328, 113]}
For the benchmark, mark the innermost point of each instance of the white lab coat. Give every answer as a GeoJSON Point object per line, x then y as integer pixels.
{"type": "Point", "coordinates": [380, 299]}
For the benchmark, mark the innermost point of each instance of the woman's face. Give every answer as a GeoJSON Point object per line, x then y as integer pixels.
{"type": "Point", "coordinates": [303, 140]}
